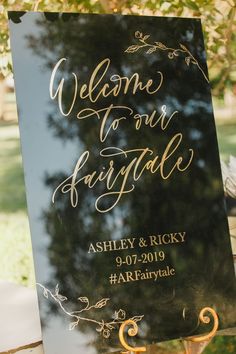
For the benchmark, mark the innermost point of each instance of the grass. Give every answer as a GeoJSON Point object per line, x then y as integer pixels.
{"type": "Point", "coordinates": [15, 244]}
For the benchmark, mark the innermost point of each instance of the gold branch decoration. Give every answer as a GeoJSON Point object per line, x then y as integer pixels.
{"type": "Point", "coordinates": [102, 327]}
{"type": "Point", "coordinates": [172, 52]}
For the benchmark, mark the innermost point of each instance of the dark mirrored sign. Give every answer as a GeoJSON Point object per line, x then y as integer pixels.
{"type": "Point", "coordinates": [123, 178]}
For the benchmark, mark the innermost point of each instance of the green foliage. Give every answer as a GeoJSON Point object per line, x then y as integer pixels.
{"type": "Point", "coordinates": [15, 249]}
{"type": "Point", "coordinates": [15, 245]}
{"type": "Point", "coordinates": [218, 19]}
{"type": "Point", "coordinates": [222, 344]}
{"type": "Point", "coordinates": [226, 140]}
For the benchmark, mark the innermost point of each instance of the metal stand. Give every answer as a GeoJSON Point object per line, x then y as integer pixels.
{"type": "Point", "coordinates": [131, 332]}
{"type": "Point", "coordinates": [197, 344]}
{"type": "Point", "coordinates": [193, 345]}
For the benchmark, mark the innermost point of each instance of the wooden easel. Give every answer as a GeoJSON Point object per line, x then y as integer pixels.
{"type": "Point", "coordinates": [190, 342]}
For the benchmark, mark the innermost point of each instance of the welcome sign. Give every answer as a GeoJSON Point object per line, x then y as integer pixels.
{"type": "Point", "coordinates": [123, 177]}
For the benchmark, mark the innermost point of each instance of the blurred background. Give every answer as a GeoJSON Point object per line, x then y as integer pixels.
{"type": "Point", "coordinates": [219, 26]}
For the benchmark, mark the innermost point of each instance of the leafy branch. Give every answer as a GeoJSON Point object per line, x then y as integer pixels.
{"type": "Point", "coordinates": [172, 52]}
{"type": "Point", "coordinates": [103, 327]}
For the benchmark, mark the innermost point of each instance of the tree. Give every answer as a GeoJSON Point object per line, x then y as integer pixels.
{"type": "Point", "coordinates": [218, 19]}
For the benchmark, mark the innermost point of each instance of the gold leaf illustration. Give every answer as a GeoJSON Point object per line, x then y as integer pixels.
{"type": "Point", "coordinates": [137, 318]}
{"type": "Point", "coordinates": [172, 52]}
{"type": "Point", "coordinates": [187, 60]}
{"type": "Point", "coordinates": [73, 325]}
{"type": "Point", "coordinates": [146, 37]}
{"type": "Point", "coordinates": [151, 50]}
{"type": "Point", "coordinates": [161, 45]}
{"type": "Point", "coordinates": [120, 314]}
{"type": "Point", "coordinates": [101, 303]}
{"type": "Point", "coordinates": [106, 333]}
{"type": "Point", "coordinates": [132, 49]}
{"type": "Point", "coordinates": [183, 47]}
{"type": "Point", "coordinates": [61, 297]}
{"type": "Point", "coordinates": [109, 326]}
{"type": "Point", "coordinates": [57, 289]}
{"type": "Point", "coordinates": [101, 327]}
{"type": "Point", "coordinates": [83, 299]}
{"type": "Point", "coordinates": [104, 328]}
{"type": "Point", "coordinates": [138, 34]}
{"type": "Point", "coordinates": [45, 293]}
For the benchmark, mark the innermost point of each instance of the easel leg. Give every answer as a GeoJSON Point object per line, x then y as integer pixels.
{"type": "Point", "coordinates": [195, 348]}
{"type": "Point", "coordinates": [196, 345]}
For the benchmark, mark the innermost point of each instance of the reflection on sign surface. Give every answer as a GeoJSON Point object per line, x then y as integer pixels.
{"type": "Point", "coordinates": [123, 178]}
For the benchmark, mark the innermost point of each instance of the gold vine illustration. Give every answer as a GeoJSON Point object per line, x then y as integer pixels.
{"type": "Point", "coordinates": [172, 52]}
{"type": "Point", "coordinates": [103, 327]}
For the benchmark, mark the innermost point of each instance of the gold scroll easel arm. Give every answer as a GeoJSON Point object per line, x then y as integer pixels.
{"type": "Point", "coordinates": [205, 320]}
{"type": "Point", "coordinates": [199, 339]}
{"type": "Point", "coordinates": [131, 332]}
